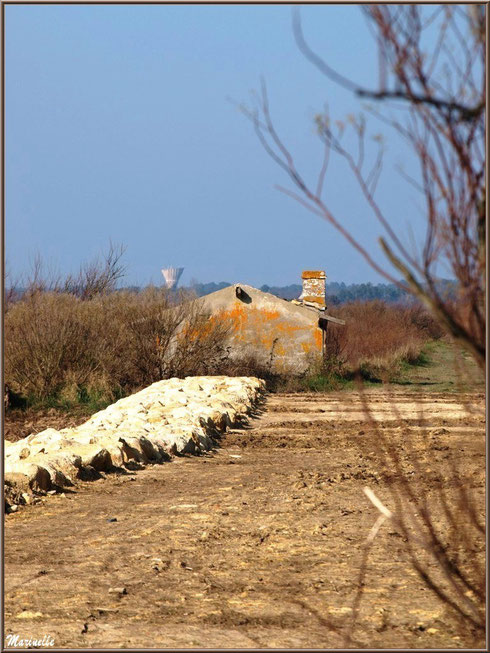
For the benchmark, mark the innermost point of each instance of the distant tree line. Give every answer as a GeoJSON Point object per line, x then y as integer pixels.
{"type": "Point", "coordinates": [341, 293]}
{"type": "Point", "coordinates": [338, 293]}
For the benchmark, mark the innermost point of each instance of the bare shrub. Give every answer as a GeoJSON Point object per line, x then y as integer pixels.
{"type": "Point", "coordinates": [435, 101]}
{"type": "Point", "coordinates": [48, 335]}
{"type": "Point", "coordinates": [256, 363]}
{"type": "Point", "coordinates": [59, 345]}
{"type": "Point", "coordinates": [145, 326]}
{"type": "Point", "coordinates": [97, 277]}
{"type": "Point", "coordinates": [202, 345]}
{"type": "Point", "coordinates": [378, 338]}
{"type": "Point", "coordinates": [443, 124]}
{"type": "Point", "coordinates": [10, 289]}
{"type": "Point", "coordinates": [164, 338]}
{"type": "Point", "coordinates": [443, 528]}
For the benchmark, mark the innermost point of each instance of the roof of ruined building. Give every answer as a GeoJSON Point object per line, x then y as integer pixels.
{"type": "Point", "coordinates": [246, 295]}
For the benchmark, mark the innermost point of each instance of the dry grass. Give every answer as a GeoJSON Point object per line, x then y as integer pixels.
{"type": "Point", "coordinates": [61, 347]}
{"type": "Point", "coordinates": [378, 338]}
{"type": "Point", "coordinates": [67, 348]}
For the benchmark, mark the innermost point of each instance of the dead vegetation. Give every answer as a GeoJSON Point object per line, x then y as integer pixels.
{"type": "Point", "coordinates": [378, 339]}
{"type": "Point", "coordinates": [444, 531]}
{"type": "Point", "coordinates": [431, 95]}
{"type": "Point", "coordinates": [79, 340]}
{"type": "Point", "coordinates": [64, 348]}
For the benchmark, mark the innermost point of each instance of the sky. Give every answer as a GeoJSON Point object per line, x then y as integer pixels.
{"type": "Point", "coordinates": [122, 124]}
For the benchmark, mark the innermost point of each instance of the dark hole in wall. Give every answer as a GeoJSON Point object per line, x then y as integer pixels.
{"type": "Point", "coordinates": [242, 295]}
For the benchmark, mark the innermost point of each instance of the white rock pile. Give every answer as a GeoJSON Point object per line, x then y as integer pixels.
{"type": "Point", "coordinates": [170, 417]}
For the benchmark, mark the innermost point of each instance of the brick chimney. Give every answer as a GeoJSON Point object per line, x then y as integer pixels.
{"type": "Point", "coordinates": [314, 288]}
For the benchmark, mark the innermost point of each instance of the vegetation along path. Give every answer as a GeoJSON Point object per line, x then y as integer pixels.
{"type": "Point", "coordinates": [256, 544]}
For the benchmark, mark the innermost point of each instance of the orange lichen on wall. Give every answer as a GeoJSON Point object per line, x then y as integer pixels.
{"type": "Point", "coordinates": [202, 329]}
{"type": "Point", "coordinates": [318, 338]}
{"type": "Point", "coordinates": [314, 287]}
{"type": "Point", "coordinates": [270, 332]}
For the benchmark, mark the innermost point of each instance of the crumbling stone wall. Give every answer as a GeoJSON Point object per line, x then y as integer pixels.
{"type": "Point", "coordinates": [282, 336]}
{"type": "Point", "coordinates": [167, 418]}
{"type": "Point", "coordinates": [314, 287]}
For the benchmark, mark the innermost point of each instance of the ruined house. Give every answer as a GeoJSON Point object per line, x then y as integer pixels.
{"type": "Point", "coordinates": [286, 335]}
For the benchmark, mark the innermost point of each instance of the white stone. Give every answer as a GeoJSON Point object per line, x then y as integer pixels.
{"type": "Point", "coordinates": [175, 416]}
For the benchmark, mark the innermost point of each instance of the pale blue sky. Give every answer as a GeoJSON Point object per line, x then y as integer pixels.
{"type": "Point", "coordinates": [118, 127]}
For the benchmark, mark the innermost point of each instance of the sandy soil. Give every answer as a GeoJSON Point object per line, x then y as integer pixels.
{"type": "Point", "coordinates": [257, 544]}
{"type": "Point", "coordinates": [21, 423]}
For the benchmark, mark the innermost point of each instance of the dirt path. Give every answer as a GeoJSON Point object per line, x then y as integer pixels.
{"type": "Point", "coordinates": [255, 545]}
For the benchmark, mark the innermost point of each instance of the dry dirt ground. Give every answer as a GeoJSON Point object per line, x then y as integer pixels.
{"type": "Point", "coordinates": [254, 545]}
{"type": "Point", "coordinates": [20, 423]}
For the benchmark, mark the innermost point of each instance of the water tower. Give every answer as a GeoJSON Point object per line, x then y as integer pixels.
{"type": "Point", "coordinates": [172, 276]}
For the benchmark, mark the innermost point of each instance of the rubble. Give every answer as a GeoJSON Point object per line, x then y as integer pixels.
{"type": "Point", "coordinates": [168, 418]}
